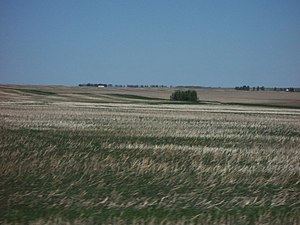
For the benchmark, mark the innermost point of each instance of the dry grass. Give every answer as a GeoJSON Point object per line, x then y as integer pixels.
{"type": "Point", "coordinates": [128, 162]}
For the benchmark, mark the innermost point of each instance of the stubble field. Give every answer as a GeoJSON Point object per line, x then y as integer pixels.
{"type": "Point", "coordinates": [94, 158]}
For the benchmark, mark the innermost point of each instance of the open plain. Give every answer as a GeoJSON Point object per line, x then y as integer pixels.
{"type": "Point", "coordinates": [84, 155]}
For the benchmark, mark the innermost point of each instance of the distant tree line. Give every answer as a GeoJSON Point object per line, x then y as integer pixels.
{"type": "Point", "coordinates": [188, 95]}
{"type": "Point", "coordinates": [137, 86]}
{"type": "Point", "coordinates": [287, 89]}
{"type": "Point", "coordinates": [146, 86]}
{"type": "Point", "coordinates": [123, 86]}
{"type": "Point", "coordinates": [243, 88]}
{"type": "Point", "coordinates": [95, 85]}
{"type": "Point", "coordinates": [247, 88]}
{"type": "Point", "coordinates": [262, 88]}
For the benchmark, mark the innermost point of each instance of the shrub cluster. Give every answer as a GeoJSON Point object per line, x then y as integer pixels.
{"type": "Point", "coordinates": [189, 95]}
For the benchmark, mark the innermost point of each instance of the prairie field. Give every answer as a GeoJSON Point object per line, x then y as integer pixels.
{"type": "Point", "coordinates": [117, 156]}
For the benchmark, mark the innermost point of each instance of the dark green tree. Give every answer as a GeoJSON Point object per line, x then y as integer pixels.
{"type": "Point", "coordinates": [189, 95]}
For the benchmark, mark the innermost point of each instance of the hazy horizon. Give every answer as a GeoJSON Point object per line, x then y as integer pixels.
{"type": "Point", "coordinates": [197, 43]}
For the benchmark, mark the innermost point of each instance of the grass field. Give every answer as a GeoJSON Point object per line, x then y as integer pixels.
{"type": "Point", "coordinates": [117, 156]}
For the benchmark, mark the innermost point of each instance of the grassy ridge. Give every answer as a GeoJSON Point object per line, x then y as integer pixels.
{"type": "Point", "coordinates": [31, 91]}
{"type": "Point", "coordinates": [134, 97]}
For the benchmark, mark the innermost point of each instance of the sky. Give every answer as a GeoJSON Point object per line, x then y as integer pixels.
{"type": "Point", "coordinates": [218, 43]}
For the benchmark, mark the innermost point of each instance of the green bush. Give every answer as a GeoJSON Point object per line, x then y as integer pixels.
{"type": "Point", "coordinates": [189, 95]}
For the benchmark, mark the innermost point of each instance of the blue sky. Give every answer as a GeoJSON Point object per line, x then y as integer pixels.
{"type": "Point", "coordinates": [210, 43]}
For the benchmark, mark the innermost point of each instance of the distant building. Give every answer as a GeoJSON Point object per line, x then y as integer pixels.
{"type": "Point", "coordinates": [289, 90]}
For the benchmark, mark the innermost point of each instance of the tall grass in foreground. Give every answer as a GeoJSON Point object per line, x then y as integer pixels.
{"type": "Point", "coordinates": [148, 165]}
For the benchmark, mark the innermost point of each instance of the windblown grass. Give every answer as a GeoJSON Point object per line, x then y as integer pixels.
{"type": "Point", "coordinates": [111, 163]}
